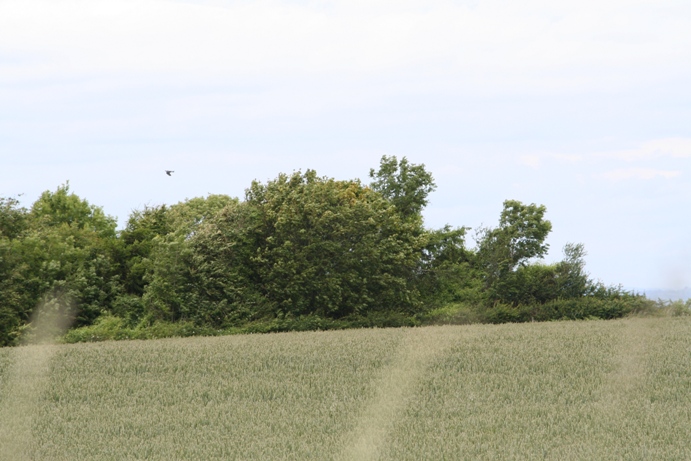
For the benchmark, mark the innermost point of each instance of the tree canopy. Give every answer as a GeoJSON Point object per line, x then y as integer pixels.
{"type": "Point", "coordinates": [298, 246]}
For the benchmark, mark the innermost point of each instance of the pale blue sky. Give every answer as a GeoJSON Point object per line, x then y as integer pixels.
{"type": "Point", "coordinates": [583, 106]}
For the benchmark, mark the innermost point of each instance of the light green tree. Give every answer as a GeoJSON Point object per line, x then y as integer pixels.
{"type": "Point", "coordinates": [404, 184]}
{"type": "Point", "coordinates": [63, 248]}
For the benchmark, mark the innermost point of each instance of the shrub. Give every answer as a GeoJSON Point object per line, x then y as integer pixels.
{"type": "Point", "coordinates": [109, 327]}
{"type": "Point", "coordinates": [567, 309]}
{"type": "Point", "coordinates": [455, 314]}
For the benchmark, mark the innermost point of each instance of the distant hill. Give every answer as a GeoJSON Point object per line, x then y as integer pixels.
{"type": "Point", "coordinates": [684, 293]}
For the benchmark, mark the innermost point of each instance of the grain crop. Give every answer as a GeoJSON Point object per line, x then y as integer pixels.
{"type": "Point", "coordinates": [559, 390]}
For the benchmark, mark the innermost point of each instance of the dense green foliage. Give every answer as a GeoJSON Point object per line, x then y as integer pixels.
{"type": "Point", "coordinates": [300, 251]}
{"type": "Point", "coordinates": [63, 248]}
{"type": "Point", "coordinates": [304, 245]}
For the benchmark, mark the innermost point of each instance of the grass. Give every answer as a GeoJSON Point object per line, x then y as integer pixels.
{"type": "Point", "coordinates": [616, 389]}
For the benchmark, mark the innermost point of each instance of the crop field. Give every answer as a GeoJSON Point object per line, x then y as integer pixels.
{"type": "Point", "coordinates": [560, 390]}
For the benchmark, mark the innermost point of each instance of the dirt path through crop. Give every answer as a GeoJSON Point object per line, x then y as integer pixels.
{"type": "Point", "coordinates": [617, 409]}
{"type": "Point", "coordinates": [27, 377]}
{"type": "Point", "coordinates": [630, 371]}
{"type": "Point", "coordinates": [396, 386]}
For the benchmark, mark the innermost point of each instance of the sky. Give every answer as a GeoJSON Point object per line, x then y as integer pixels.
{"type": "Point", "coordinates": [581, 105]}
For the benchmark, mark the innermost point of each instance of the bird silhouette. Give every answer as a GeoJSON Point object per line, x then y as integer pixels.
{"type": "Point", "coordinates": [168, 172]}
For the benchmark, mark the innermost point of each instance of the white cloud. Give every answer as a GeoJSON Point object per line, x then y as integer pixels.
{"type": "Point", "coordinates": [659, 148]}
{"type": "Point", "coordinates": [639, 173]}
{"type": "Point", "coordinates": [670, 149]}
{"type": "Point", "coordinates": [533, 161]}
{"type": "Point", "coordinates": [569, 158]}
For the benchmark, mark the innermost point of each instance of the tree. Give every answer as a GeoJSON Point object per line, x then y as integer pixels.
{"type": "Point", "coordinates": [572, 279]}
{"type": "Point", "coordinates": [64, 247]}
{"type": "Point", "coordinates": [60, 207]}
{"type": "Point", "coordinates": [143, 226]}
{"type": "Point", "coordinates": [520, 237]}
{"type": "Point", "coordinates": [14, 298]}
{"type": "Point", "coordinates": [333, 247]}
{"type": "Point", "coordinates": [307, 245]}
{"type": "Point", "coordinates": [541, 283]}
{"type": "Point", "coordinates": [404, 184]}
{"type": "Point", "coordinates": [167, 267]}
{"type": "Point", "coordinates": [445, 266]}
{"type": "Point", "coordinates": [222, 282]}
{"type": "Point", "coordinates": [13, 218]}
{"type": "Point", "coordinates": [78, 246]}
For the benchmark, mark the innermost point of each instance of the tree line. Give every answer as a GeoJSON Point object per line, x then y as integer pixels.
{"type": "Point", "coordinates": [300, 251]}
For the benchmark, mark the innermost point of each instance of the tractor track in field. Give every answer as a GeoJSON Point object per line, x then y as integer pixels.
{"type": "Point", "coordinates": [396, 386]}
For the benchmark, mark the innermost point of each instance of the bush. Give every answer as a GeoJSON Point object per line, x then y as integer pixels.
{"type": "Point", "coordinates": [106, 327]}
{"type": "Point", "coordinates": [568, 309]}
{"type": "Point", "coordinates": [504, 313]}
{"type": "Point", "coordinates": [583, 308]}
{"type": "Point", "coordinates": [664, 308]}
{"type": "Point", "coordinates": [314, 323]}
{"type": "Point", "coordinates": [109, 327]}
{"type": "Point", "coordinates": [455, 314]}
{"type": "Point", "coordinates": [678, 308]}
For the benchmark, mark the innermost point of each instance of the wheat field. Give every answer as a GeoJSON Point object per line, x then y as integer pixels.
{"type": "Point", "coordinates": [561, 390]}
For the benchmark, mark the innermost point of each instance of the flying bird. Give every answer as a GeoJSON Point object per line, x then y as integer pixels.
{"type": "Point", "coordinates": [168, 172]}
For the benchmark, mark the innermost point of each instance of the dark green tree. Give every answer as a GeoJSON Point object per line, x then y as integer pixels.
{"type": "Point", "coordinates": [333, 247]}
{"type": "Point", "coordinates": [167, 267]}
{"type": "Point", "coordinates": [15, 299]}
{"type": "Point", "coordinates": [13, 218]}
{"type": "Point", "coordinates": [573, 281]}
{"type": "Point", "coordinates": [541, 283]}
{"type": "Point", "coordinates": [143, 226]}
{"type": "Point", "coordinates": [446, 267]}
{"type": "Point", "coordinates": [306, 245]}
